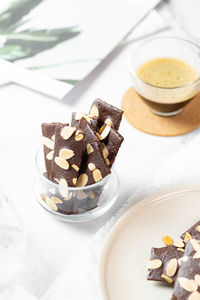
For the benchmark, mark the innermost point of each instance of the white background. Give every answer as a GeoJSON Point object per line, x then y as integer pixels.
{"type": "Point", "coordinates": [52, 243]}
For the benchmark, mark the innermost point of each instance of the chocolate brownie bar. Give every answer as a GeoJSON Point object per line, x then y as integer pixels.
{"type": "Point", "coordinates": [79, 155]}
{"type": "Point", "coordinates": [164, 263]}
{"type": "Point", "coordinates": [77, 116]}
{"type": "Point", "coordinates": [187, 285]}
{"type": "Point", "coordinates": [93, 167]}
{"type": "Point", "coordinates": [193, 248]}
{"type": "Point", "coordinates": [86, 200]}
{"type": "Point", "coordinates": [68, 151]}
{"type": "Point", "coordinates": [192, 232]}
{"type": "Point", "coordinates": [104, 111]}
{"type": "Point", "coordinates": [48, 138]}
{"type": "Point", "coordinates": [110, 145]}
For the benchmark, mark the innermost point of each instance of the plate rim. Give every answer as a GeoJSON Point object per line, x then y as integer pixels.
{"type": "Point", "coordinates": [148, 200]}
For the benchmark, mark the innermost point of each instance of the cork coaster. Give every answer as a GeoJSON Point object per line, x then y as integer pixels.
{"type": "Point", "coordinates": [139, 115]}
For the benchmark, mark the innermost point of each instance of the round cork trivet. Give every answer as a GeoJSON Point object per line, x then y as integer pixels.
{"type": "Point", "coordinates": [139, 115]}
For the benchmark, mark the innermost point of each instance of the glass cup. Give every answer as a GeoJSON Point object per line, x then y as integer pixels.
{"type": "Point", "coordinates": [165, 101]}
{"type": "Point", "coordinates": [74, 204]}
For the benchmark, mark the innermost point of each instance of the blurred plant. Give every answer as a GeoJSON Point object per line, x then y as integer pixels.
{"type": "Point", "coordinates": [19, 44]}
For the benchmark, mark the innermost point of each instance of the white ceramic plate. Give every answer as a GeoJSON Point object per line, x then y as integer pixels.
{"type": "Point", "coordinates": [123, 264]}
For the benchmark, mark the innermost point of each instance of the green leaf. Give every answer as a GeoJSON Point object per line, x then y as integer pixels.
{"type": "Point", "coordinates": [11, 17]}
{"type": "Point", "coordinates": [30, 37]}
{"type": "Point", "coordinates": [12, 52]}
{"type": "Point", "coordinates": [16, 25]}
{"type": "Point", "coordinates": [36, 41]}
{"type": "Point", "coordinates": [70, 81]}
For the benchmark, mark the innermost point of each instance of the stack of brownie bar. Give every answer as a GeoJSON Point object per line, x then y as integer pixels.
{"type": "Point", "coordinates": [179, 264]}
{"type": "Point", "coordinates": [81, 154]}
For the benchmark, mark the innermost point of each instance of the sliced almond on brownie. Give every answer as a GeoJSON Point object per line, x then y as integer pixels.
{"type": "Point", "coordinates": [67, 154]}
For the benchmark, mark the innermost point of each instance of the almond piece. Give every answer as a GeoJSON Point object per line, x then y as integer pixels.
{"type": "Point", "coordinates": [74, 180]}
{"type": "Point", "coordinates": [61, 162]}
{"type": "Point", "coordinates": [79, 137]}
{"type": "Point", "coordinates": [97, 175]}
{"type": "Point", "coordinates": [187, 284]}
{"type": "Point", "coordinates": [194, 296]}
{"type": "Point", "coordinates": [195, 245]}
{"type": "Point", "coordinates": [94, 111]}
{"type": "Point", "coordinates": [79, 115]}
{"type": "Point", "coordinates": [88, 118]}
{"type": "Point", "coordinates": [56, 200]}
{"type": "Point", "coordinates": [81, 195]}
{"type": "Point", "coordinates": [107, 162]}
{"type": "Point", "coordinates": [169, 280]}
{"type": "Point", "coordinates": [101, 129]}
{"type": "Point", "coordinates": [197, 255]}
{"type": "Point", "coordinates": [167, 240]}
{"type": "Point", "coordinates": [89, 149]}
{"type": "Point", "coordinates": [63, 192]}
{"type": "Point", "coordinates": [68, 197]}
{"type": "Point", "coordinates": [99, 136]}
{"type": "Point", "coordinates": [105, 132]}
{"type": "Point", "coordinates": [42, 197]}
{"type": "Point", "coordinates": [172, 267]}
{"type": "Point", "coordinates": [91, 195]}
{"type": "Point", "coordinates": [63, 187]}
{"type": "Point", "coordinates": [49, 156]}
{"type": "Point", "coordinates": [48, 143]}
{"type": "Point", "coordinates": [104, 150]}
{"type": "Point", "coordinates": [187, 237]}
{"type": "Point", "coordinates": [51, 204]}
{"type": "Point", "coordinates": [197, 279]}
{"type": "Point", "coordinates": [63, 182]}
{"type": "Point", "coordinates": [181, 249]}
{"type": "Point", "coordinates": [82, 180]}
{"type": "Point", "coordinates": [108, 122]}
{"type": "Point", "coordinates": [154, 264]}
{"type": "Point", "coordinates": [52, 191]}
{"type": "Point", "coordinates": [67, 132]}
{"type": "Point", "coordinates": [66, 153]}
{"type": "Point", "coordinates": [91, 166]}
{"type": "Point", "coordinates": [75, 167]}
{"type": "Point", "coordinates": [179, 244]}
{"type": "Point", "coordinates": [181, 260]}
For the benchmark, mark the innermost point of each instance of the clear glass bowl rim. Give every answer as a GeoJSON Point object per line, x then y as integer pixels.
{"type": "Point", "coordinates": [133, 72]}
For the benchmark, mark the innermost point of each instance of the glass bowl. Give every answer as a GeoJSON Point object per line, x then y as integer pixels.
{"type": "Point", "coordinates": [74, 204]}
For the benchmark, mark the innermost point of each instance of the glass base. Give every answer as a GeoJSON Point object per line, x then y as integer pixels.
{"type": "Point", "coordinates": [108, 197]}
{"type": "Point", "coordinates": [167, 114]}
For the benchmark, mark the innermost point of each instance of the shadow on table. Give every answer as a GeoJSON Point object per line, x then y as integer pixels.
{"type": "Point", "coordinates": [92, 226]}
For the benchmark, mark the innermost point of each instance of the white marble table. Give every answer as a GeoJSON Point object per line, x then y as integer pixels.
{"type": "Point", "coordinates": [51, 242]}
